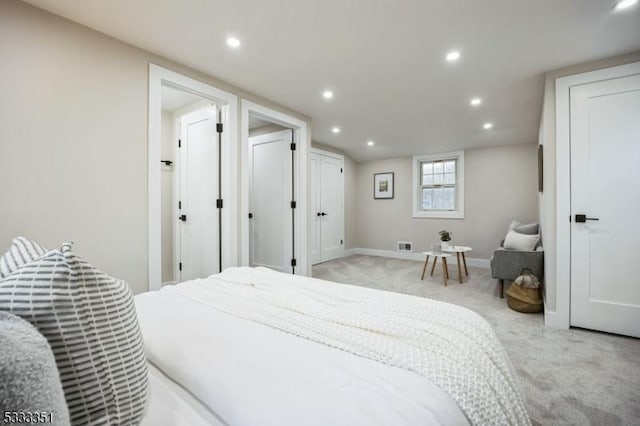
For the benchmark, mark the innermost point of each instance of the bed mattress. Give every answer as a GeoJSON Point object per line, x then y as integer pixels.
{"type": "Point", "coordinates": [172, 405]}
{"type": "Point", "coordinates": [247, 373]}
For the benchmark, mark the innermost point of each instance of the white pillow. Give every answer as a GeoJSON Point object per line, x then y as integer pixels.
{"type": "Point", "coordinates": [523, 242]}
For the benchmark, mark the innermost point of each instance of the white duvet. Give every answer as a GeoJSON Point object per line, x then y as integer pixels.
{"type": "Point", "coordinates": [234, 341]}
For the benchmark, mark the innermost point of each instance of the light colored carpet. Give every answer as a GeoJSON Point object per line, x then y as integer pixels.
{"type": "Point", "coordinates": [575, 376]}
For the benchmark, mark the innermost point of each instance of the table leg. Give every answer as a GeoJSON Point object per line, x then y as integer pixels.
{"type": "Point", "coordinates": [464, 260]}
{"type": "Point", "coordinates": [433, 267]}
{"type": "Point", "coordinates": [459, 268]}
{"type": "Point", "coordinates": [445, 270]}
{"type": "Point", "coordinates": [426, 261]}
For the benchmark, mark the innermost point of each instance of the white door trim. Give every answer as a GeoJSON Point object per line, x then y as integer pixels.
{"type": "Point", "coordinates": [301, 138]}
{"type": "Point", "coordinates": [561, 318]}
{"type": "Point", "coordinates": [341, 158]}
{"type": "Point", "coordinates": [158, 77]}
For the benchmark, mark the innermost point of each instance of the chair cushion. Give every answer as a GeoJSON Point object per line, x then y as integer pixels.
{"type": "Point", "coordinates": [528, 228]}
{"type": "Point", "coordinates": [518, 241]}
{"type": "Point", "coordinates": [89, 320]}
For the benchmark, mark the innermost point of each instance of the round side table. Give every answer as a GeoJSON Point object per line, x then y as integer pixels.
{"type": "Point", "coordinates": [443, 256]}
{"type": "Point", "coordinates": [459, 251]}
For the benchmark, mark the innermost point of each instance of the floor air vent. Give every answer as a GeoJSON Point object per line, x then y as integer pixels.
{"type": "Point", "coordinates": [405, 246]}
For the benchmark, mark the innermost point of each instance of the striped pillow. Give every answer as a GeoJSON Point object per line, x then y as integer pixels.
{"type": "Point", "coordinates": [90, 322]}
{"type": "Point", "coordinates": [22, 251]}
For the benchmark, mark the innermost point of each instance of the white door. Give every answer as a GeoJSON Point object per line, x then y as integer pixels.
{"type": "Point", "coordinates": [198, 192]}
{"type": "Point", "coordinates": [327, 207]}
{"type": "Point", "coordinates": [270, 165]}
{"type": "Point", "coordinates": [605, 185]}
{"type": "Point", "coordinates": [332, 207]}
{"type": "Point", "coordinates": [314, 203]}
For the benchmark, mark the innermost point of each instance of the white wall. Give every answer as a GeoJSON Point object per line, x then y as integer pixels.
{"type": "Point", "coordinates": [548, 217]}
{"type": "Point", "coordinates": [500, 185]}
{"type": "Point", "coordinates": [73, 138]}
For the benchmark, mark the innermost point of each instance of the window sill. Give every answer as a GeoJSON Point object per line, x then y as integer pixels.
{"type": "Point", "coordinates": [438, 215]}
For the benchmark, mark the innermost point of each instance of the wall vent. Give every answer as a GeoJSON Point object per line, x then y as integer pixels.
{"type": "Point", "coordinates": [405, 246]}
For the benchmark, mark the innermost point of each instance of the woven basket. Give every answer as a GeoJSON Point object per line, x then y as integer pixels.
{"type": "Point", "coordinates": [521, 297]}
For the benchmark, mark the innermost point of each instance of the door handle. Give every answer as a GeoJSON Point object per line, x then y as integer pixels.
{"type": "Point", "coordinates": [183, 217]}
{"type": "Point", "coordinates": [318, 214]}
{"type": "Point", "coordinates": [582, 218]}
{"type": "Point", "coordinates": [323, 214]}
{"type": "Point", "coordinates": [250, 215]}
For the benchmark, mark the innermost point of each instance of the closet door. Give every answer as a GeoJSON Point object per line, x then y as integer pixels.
{"type": "Point", "coordinates": [605, 199]}
{"type": "Point", "coordinates": [327, 206]}
{"type": "Point", "coordinates": [331, 207]}
{"type": "Point", "coordinates": [314, 201]}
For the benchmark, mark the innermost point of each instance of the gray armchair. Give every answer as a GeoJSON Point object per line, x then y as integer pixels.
{"type": "Point", "coordinates": [507, 264]}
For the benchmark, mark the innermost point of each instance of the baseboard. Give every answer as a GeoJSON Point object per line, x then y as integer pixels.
{"type": "Point", "coordinates": [481, 263]}
{"type": "Point", "coordinates": [554, 320]}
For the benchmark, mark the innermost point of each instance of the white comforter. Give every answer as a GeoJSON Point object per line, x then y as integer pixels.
{"type": "Point", "coordinates": [231, 340]}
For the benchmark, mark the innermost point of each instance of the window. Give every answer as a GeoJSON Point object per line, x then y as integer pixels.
{"type": "Point", "coordinates": [438, 182]}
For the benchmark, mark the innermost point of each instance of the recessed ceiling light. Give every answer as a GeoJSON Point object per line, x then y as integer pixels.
{"type": "Point", "coordinates": [488, 125]}
{"type": "Point", "coordinates": [453, 56]}
{"type": "Point", "coordinates": [475, 101]}
{"type": "Point", "coordinates": [233, 42]}
{"type": "Point", "coordinates": [336, 130]}
{"type": "Point", "coordinates": [371, 143]}
{"type": "Point", "coordinates": [327, 94]}
{"type": "Point", "coordinates": [624, 4]}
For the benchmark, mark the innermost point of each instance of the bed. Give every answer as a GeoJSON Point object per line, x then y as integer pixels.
{"type": "Point", "coordinates": [251, 346]}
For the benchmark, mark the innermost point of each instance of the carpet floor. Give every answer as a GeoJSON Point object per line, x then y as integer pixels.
{"type": "Point", "coordinates": [569, 377]}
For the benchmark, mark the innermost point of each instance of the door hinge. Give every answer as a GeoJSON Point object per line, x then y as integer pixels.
{"type": "Point", "coordinates": [293, 146]}
{"type": "Point", "coordinates": [179, 143]}
{"type": "Point", "coordinates": [293, 204]}
{"type": "Point", "coordinates": [293, 262]}
{"type": "Point", "coordinates": [219, 203]}
{"type": "Point", "coordinates": [180, 266]}
{"type": "Point", "coordinates": [219, 127]}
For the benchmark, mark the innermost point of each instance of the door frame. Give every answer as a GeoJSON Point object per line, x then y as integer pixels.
{"type": "Point", "coordinates": [303, 142]}
{"type": "Point", "coordinates": [561, 318]}
{"type": "Point", "coordinates": [341, 158]}
{"type": "Point", "coordinates": [228, 103]}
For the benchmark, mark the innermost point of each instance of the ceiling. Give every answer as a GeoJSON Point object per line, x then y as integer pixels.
{"type": "Point", "coordinates": [384, 59]}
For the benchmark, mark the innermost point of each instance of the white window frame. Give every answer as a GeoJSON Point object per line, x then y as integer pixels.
{"type": "Point", "coordinates": [458, 213]}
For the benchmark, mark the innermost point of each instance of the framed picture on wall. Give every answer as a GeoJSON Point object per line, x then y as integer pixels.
{"type": "Point", "coordinates": [383, 186]}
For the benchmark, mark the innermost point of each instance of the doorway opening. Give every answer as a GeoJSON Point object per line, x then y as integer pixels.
{"type": "Point", "coordinates": [192, 181]}
{"type": "Point", "coordinates": [190, 185]}
{"type": "Point", "coordinates": [274, 225]}
{"type": "Point", "coordinates": [596, 126]}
